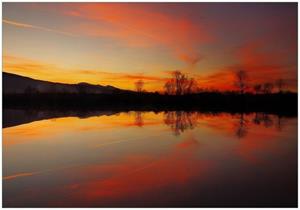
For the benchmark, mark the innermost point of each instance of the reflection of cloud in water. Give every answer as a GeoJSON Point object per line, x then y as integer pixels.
{"type": "Point", "coordinates": [188, 143]}
{"type": "Point", "coordinates": [137, 176]}
{"type": "Point", "coordinates": [113, 173]}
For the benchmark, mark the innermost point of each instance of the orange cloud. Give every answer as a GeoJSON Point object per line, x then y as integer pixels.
{"type": "Point", "coordinates": [51, 72]}
{"type": "Point", "coordinates": [221, 80]}
{"type": "Point", "coordinates": [255, 62]}
{"type": "Point", "coordinates": [123, 76]}
{"type": "Point", "coordinates": [29, 67]}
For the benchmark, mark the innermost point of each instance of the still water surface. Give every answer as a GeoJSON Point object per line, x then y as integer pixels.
{"type": "Point", "coordinates": [177, 159]}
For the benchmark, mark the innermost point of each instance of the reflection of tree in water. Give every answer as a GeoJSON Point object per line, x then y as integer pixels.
{"type": "Point", "coordinates": [263, 118]}
{"type": "Point", "coordinates": [179, 121]}
{"type": "Point", "coordinates": [280, 123]}
{"type": "Point", "coordinates": [257, 119]}
{"type": "Point", "coordinates": [138, 119]}
{"type": "Point", "coordinates": [242, 126]}
{"type": "Point", "coordinates": [268, 122]}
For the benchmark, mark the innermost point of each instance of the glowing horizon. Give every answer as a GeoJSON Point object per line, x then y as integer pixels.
{"type": "Point", "coordinates": [119, 43]}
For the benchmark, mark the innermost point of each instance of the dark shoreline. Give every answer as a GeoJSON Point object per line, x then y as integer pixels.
{"type": "Point", "coordinates": [24, 108]}
{"type": "Point", "coordinates": [279, 103]}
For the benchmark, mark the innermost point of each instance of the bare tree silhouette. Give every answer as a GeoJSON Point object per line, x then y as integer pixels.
{"type": "Point", "coordinates": [180, 81]}
{"type": "Point", "coordinates": [257, 88]}
{"type": "Point", "coordinates": [280, 84]}
{"type": "Point", "coordinates": [268, 122]}
{"type": "Point", "coordinates": [191, 86]}
{"type": "Point", "coordinates": [180, 84]}
{"type": "Point", "coordinates": [268, 87]}
{"type": "Point", "coordinates": [139, 85]}
{"type": "Point", "coordinates": [241, 78]}
{"type": "Point", "coordinates": [170, 87]}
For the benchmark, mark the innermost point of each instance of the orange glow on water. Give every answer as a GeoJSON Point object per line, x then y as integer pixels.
{"type": "Point", "coordinates": [126, 158]}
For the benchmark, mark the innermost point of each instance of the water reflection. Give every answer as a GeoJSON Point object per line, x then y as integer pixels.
{"type": "Point", "coordinates": [179, 121]}
{"type": "Point", "coordinates": [263, 118]}
{"type": "Point", "coordinates": [280, 123]}
{"type": "Point", "coordinates": [242, 126]}
{"type": "Point", "coordinates": [145, 159]}
{"type": "Point", "coordinates": [269, 120]}
{"type": "Point", "coordinates": [139, 119]}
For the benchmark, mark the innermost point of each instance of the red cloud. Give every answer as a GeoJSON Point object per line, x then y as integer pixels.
{"type": "Point", "coordinates": [262, 64]}
{"type": "Point", "coordinates": [265, 64]}
{"type": "Point", "coordinates": [141, 25]}
{"type": "Point", "coordinates": [191, 59]}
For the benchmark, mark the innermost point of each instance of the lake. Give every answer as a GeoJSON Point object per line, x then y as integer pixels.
{"type": "Point", "coordinates": [149, 159]}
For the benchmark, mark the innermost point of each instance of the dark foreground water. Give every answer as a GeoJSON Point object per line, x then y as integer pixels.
{"type": "Point", "coordinates": [147, 159]}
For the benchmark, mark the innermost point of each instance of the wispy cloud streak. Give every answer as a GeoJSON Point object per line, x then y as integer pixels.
{"type": "Point", "coordinates": [17, 176]}
{"type": "Point", "coordinates": [25, 25]}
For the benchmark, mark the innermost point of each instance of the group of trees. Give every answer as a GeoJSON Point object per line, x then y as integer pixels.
{"type": "Point", "coordinates": [268, 87]}
{"type": "Point", "coordinates": [242, 83]}
{"type": "Point", "coordinates": [181, 84]}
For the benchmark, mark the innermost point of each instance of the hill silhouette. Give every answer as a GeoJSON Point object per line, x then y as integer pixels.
{"type": "Point", "coordinates": [16, 84]}
{"type": "Point", "coordinates": [26, 93]}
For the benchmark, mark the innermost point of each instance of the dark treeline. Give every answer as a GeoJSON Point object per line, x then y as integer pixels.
{"type": "Point", "coordinates": [181, 93]}
{"type": "Point", "coordinates": [285, 103]}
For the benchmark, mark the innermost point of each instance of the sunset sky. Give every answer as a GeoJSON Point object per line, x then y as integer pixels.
{"type": "Point", "coordinates": [120, 43]}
